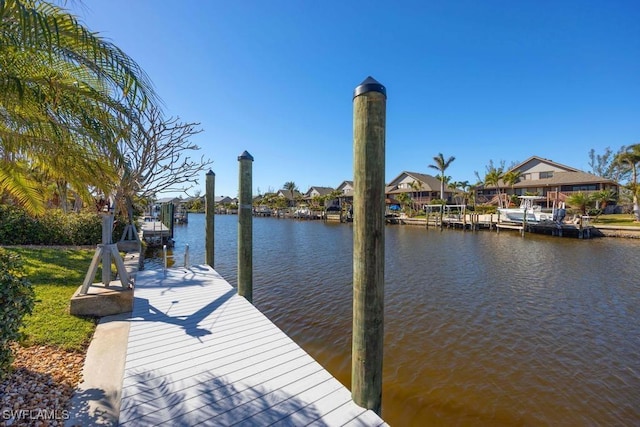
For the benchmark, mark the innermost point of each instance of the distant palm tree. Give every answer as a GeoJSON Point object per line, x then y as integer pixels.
{"type": "Point", "coordinates": [511, 178]}
{"type": "Point", "coordinates": [603, 197]}
{"type": "Point", "coordinates": [441, 165]}
{"type": "Point", "coordinates": [629, 159]}
{"type": "Point", "coordinates": [316, 201]}
{"type": "Point", "coordinates": [579, 201]}
{"type": "Point", "coordinates": [470, 193]}
{"type": "Point", "coordinates": [460, 192]}
{"type": "Point", "coordinates": [492, 179]}
{"type": "Point", "coordinates": [416, 186]}
{"type": "Point", "coordinates": [404, 199]}
{"type": "Point", "coordinates": [291, 187]}
{"type": "Point", "coordinates": [446, 180]}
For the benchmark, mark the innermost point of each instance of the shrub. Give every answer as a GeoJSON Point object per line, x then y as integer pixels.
{"type": "Point", "coordinates": [54, 228]}
{"type": "Point", "coordinates": [16, 301]}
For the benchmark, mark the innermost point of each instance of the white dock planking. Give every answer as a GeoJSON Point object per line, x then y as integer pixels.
{"type": "Point", "coordinates": [152, 229]}
{"type": "Point", "coordinates": [199, 354]}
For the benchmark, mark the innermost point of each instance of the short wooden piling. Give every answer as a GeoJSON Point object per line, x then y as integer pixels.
{"type": "Point", "coordinates": [245, 228]}
{"type": "Point", "coordinates": [107, 227]}
{"type": "Point", "coordinates": [209, 213]}
{"type": "Point", "coordinates": [369, 123]}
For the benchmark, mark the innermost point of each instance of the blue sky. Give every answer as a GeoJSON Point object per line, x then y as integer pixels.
{"type": "Point", "coordinates": [479, 80]}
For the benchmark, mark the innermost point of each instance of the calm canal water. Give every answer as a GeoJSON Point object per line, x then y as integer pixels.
{"type": "Point", "coordinates": [480, 328]}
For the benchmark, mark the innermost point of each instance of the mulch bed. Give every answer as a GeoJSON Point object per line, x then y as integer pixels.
{"type": "Point", "coordinates": [38, 390]}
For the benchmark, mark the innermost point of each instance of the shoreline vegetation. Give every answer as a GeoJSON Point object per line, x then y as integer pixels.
{"type": "Point", "coordinates": [49, 359]}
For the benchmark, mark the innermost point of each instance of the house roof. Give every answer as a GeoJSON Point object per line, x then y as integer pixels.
{"type": "Point", "coordinates": [287, 194]}
{"type": "Point", "coordinates": [320, 190]}
{"type": "Point", "coordinates": [427, 183]}
{"type": "Point", "coordinates": [562, 178]}
{"type": "Point", "coordinates": [537, 159]}
{"type": "Point", "coordinates": [169, 200]}
{"type": "Point", "coordinates": [191, 199]}
{"type": "Point", "coordinates": [566, 176]}
{"type": "Point", "coordinates": [343, 184]}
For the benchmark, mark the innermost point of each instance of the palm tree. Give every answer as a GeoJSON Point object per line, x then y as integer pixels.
{"type": "Point", "coordinates": [291, 187]}
{"type": "Point", "coordinates": [602, 198]}
{"type": "Point", "coordinates": [416, 186]}
{"type": "Point", "coordinates": [441, 165]}
{"type": "Point", "coordinates": [404, 199]}
{"type": "Point", "coordinates": [511, 178]}
{"type": "Point", "coordinates": [492, 179]}
{"type": "Point", "coordinates": [446, 180]}
{"type": "Point", "coordinates": [629, 159]}
{"type": "Point", "coordinates": [456, 186]}
{"type": "Point", "coordinates": [316, 201]}
{"type": "Point", "coordinates": [580, 201]}
{"type": "Point", "coordinates": [63, 89]}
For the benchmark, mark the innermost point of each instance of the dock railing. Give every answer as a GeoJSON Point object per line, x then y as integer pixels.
{"type": "Point", "coordinates": [166, 257]}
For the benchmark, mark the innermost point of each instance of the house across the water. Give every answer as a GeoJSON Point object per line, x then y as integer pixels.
{"type": "Point", "coordinates": [553, 181]}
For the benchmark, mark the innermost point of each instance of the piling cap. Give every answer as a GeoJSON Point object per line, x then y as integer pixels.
{"type": "Point", "coordinates": [211, 173]}
{"type": "Point", "coordinates": [369, 85]}
{"type": "Point", "coordinates": [245, 156]}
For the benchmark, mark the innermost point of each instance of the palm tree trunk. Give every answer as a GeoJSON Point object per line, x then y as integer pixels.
{"type": "Point", "coordinates": [636, 206]}
{"type": "Point", "coordinates": [63, 193]}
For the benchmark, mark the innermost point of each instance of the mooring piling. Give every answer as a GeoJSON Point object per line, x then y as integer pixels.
{"type": "Point", "coordinates": [209, 213]}
{"type": "Point", "coordinates": [245, 227]}
{"type": "Point", "coordinates": [369, 123]}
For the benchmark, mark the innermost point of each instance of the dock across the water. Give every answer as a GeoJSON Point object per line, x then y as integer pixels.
{"type": "Point", "coordinates": [155, 233]}
{"type": "Point", "coordinates": [580, 229]}
{"type": "Point", "coordinates": [198, 353]}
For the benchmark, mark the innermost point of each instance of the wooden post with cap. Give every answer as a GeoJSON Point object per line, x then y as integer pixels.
{"type": "Point", "coordinates": [245, 228]}
{"type": "Point", "coordinates": [209, 213]}
{"type": "Point", "coordinates": [369, 123]}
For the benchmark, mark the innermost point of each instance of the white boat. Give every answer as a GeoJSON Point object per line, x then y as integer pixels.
{"type": "Point", "coordinates": [528, 209]}
{"type": "Point", "coordinates": [302, 212]}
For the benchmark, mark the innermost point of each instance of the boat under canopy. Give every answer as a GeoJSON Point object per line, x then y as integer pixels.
{"type": "Point", "coordinates": [529, 211]}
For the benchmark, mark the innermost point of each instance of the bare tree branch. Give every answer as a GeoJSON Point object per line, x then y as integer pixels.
{"type": "Point", "coordinates": [160, 157]}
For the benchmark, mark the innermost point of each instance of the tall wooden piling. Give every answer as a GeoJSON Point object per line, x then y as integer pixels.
{"type": "Point", "coordinates": [245, 228]}
{"type": "Point", "coordinates": [369, 123]}
{"type": "Point", "coordinates": [209, 213]}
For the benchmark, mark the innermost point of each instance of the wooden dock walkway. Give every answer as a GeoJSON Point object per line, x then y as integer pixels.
{"type": "Point", "coordinates": [154, 232]}
{"type": "Point", "coordinates": [199, 354]}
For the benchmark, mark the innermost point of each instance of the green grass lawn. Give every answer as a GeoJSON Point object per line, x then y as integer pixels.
{"type": "Point", "coordinates": [55, 275]}
{"type": "Point", "coordinates": [616, 219]}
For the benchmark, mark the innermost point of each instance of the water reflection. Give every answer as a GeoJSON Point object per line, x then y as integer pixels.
{"type": "Point", "coordinates": [480, 328]}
